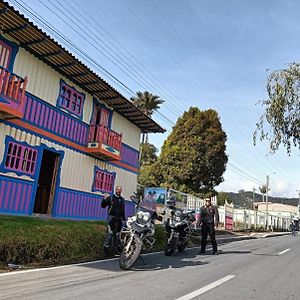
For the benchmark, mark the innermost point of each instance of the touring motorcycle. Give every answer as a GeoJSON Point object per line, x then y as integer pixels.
{"type": "Point", "coordinates": [178, 228]}
{"type": "Point", "coordinates": [137, 235]}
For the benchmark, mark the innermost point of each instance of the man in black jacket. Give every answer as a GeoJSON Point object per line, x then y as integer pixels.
{"type": "Point", "coordinates": [209, 219]}
{"type": "Point", "coordinates": [116, 214]}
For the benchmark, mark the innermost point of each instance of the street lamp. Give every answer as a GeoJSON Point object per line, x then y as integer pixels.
{"type": "Point", "coordinates": [267, 208]}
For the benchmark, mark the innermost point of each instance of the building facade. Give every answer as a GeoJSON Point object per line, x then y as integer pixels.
{"type": "Point", "coordinates": [67, 136]}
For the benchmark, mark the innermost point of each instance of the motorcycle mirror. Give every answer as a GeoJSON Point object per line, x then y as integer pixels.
{"type": "Point", "coordinates": [134, 199]}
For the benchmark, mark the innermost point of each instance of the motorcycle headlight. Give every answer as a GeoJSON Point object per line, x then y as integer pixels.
{"type": "Point", "coordinates": [143, 217]}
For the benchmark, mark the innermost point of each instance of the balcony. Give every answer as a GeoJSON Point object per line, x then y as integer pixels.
{"type": "Point", "coordinates": [12, 94]}
{"type": "Point", "coordinates": [104, 142]}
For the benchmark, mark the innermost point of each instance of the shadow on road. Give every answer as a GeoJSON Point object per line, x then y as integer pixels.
{"type": "Point", "coordinates": [160, 262]}
{"type": "Point", "coordinates": [155, 261]}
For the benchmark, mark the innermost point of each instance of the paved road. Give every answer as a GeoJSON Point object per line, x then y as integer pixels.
{"type": "Point", "coordinates": [251, 269]}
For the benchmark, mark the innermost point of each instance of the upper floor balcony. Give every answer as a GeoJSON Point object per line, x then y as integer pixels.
{"type": "Point", "coordinates": [12, 94]}
{"type": "Point", "coordinates": [104, 142]}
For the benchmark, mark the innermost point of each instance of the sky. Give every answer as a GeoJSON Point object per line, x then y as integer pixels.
{"type": "Point", "coordinates": [211, 54]}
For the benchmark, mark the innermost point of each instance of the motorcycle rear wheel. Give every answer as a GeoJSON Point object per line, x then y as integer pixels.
{"type": "Point", "coordinates": [127, 260]}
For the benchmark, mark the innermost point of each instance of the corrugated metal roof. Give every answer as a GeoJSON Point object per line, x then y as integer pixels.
{"type": "Point", "coordinates": [44, 47]}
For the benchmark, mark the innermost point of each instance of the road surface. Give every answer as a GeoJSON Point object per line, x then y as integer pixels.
{"type": "Point", "coordinates": [251, 269]}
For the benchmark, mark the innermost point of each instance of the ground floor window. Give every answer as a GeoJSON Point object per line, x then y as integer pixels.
{"type": "Point", "coordinates": [20, 158]}
{"type": "Point", "coordinates": [103, 180]}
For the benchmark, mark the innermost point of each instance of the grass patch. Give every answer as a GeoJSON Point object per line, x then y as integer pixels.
{"type": "Point", "coordinates": [44, 242]}
{"type": "Point", "coordinates": [30, 241]}
{"type": "Point", "coordinates": [36, 242]}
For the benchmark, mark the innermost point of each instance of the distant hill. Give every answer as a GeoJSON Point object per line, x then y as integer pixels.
{"type": "Point", "coordinates": [244, 199]}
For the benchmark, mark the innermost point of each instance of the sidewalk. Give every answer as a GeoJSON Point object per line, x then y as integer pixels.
{"type": "Point", "coordinates": [234, 236]}
{"type": "Point", "coordinates": [246, 236]}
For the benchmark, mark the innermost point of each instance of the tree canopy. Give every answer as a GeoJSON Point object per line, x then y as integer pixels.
{"type": "Point", "coordinates": [148, 173]}
{"type": "Point", "coordinates": [222, 198]}
{"type": "Point", "coordinates": [147, 102]}
{"type": "Point", "coordinates": [280, 122]}
{"type": "Point", "coordinates": [193, 157]}
{"type": "Point", "coordinates": [148, 154]}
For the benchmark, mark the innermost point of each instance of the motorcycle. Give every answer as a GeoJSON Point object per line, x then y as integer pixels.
{"type": "Point", "coordinates": [178, 228]}
{"type": "Point", "coordinates": [137, 235]}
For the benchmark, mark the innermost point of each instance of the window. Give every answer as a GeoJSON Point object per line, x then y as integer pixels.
{"type": "Point", "coordinates": [70, 99]}
{"type": "Point", "coordinates": [20, 158]}
{"type": "Point", "coordinates": [103, 180]}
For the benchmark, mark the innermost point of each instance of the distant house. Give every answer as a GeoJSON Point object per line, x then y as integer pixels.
{"type": "Point", "coordinates": [67, 136]}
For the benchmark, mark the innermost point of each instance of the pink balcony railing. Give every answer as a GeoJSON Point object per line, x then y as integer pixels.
{"type": "Point", "coordinates": [102, 135]}
{"type": "Point", "coordinates": [12, 93]}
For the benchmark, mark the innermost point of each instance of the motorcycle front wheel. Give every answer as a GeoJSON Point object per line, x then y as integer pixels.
{"type": "Point", "coordinates": [182, 245]}
{"type": "Point", "coordinates": [128, 258]}
{"type": "Point", "coordinates": [170, 246]}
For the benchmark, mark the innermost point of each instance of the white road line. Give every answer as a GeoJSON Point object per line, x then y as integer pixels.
{"type": "Point", "coordinates": [78, 264]}
{"type": "Point", "coordinates": [57, 267]}
{"type": "Point", "coordinates": [284, 251]}
{"type": "Point", "coordinates": [206, 288]}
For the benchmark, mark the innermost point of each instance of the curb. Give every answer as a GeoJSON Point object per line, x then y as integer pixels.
{"type": "Point", "coordinates": [243, 237]}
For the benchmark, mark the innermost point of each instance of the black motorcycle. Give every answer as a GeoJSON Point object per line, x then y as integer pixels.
{"type": "Point", "coordinates": [178, 228]}
{"type": "Point", "coordinates": [137, 235]}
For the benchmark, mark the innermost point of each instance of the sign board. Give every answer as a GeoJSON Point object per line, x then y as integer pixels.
{"type": "Point", "coordinates": [154, 196]}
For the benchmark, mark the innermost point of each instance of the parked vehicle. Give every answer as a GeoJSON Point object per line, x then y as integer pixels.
{"type": "Point", "coordinates": [137, 235]}
{"type": "Point", "coordinates": [178, 228]}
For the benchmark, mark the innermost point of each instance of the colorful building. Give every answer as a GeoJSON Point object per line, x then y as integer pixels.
{"type": "Point", "coordinates": [67, 136]}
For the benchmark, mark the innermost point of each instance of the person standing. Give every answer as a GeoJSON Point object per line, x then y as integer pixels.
{"type": "Point", "coordinates": [293, 228]}
{"type": "Point", "coordinates": [209, 220]}
{"type": "Point", "coordinates": [116, 214]}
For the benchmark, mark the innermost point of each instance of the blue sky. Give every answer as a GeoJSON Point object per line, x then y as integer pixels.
{"type": "Point", "coordinates": [210, 54]}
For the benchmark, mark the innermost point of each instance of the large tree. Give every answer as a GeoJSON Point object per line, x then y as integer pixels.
{"type": "Point", "coordinates": [223, 197]}
{"type": "Point", "coordinates": [148, 154]}
{"type": "Point", "coordinates": [280, 122]}
{"type": "Point", "coordinates": [148, 172]}
{"type": "Point", "coordinates": [193, 157]}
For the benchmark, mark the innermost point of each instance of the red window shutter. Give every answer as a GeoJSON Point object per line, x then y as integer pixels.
{"type": "Point", "coordinates": [104, 117]}
{"type": "Point", "coordinates": [5, 53]}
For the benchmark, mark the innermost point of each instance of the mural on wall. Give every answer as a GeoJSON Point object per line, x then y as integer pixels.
{"type": "Point", "coordinates": [154, 197]}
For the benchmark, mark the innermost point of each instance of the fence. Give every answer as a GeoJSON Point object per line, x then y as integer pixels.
{"type": "Point", "coordinates": [247, 218]}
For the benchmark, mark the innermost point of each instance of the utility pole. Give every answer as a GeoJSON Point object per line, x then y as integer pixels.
{"type": "Point", "coordinates": [298, 213]}
{"type": "Point", "coordinates": [253, 208]}
{"type": "Point", "coordinates": [267, 208]}
{"type": "Point", "coordinates": [253, 190]}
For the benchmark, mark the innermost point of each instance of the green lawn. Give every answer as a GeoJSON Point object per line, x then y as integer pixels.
{"type": "Point", "coordinates": [35, 241]}
{"type": "Point", "coordinates": [31, 241]}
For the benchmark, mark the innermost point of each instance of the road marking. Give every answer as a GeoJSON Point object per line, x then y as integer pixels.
{"type": "Point", "coordinates": [284, 251]}
{"type": "Point", "coordinates": [57, 267]}
{"type": "Point", "coordinates": [206, 288]}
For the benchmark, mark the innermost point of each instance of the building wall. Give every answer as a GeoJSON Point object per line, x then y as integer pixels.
{"type": "Point", "coordinates": [44, 83]}
{"type": "Point", "coordinates": [74, 194]}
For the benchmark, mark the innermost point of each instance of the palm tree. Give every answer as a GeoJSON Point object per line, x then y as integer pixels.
{"type": "Point", "coordinates": [147, 103]}
{"type": "Point", "coordinates": [263, 190]}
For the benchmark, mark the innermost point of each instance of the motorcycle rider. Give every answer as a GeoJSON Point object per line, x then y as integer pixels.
{"type": "Point", "coordinates": [116, 214]}
{"type": "Point", "coordinates": [209, 219]}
